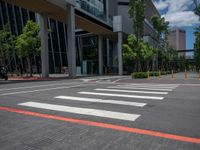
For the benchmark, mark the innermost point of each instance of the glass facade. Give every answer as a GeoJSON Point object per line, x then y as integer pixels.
{"type": "Point", "coordinates": [86, 45]}
{"type": "Point", "coordinates": [94, 7]}
{"type": "Point", "coordinates": [90, 54]}
{"type": "Point", "coordinates": [16, 18]}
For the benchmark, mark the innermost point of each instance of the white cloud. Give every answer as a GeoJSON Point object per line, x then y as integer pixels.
{"type": "Point", "coordinates": [179, 5]}
{"type": "Point", "coordinates": [178, 13]}
{"type": "Point", "coordinates": [161, 5]}
{"type": "Point", "coordinates": [183, 18]}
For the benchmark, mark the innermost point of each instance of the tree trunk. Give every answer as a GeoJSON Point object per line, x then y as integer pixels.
{"type": "Point", "coordinates": [30, 66]}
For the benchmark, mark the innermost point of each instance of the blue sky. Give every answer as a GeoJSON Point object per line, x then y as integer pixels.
{"type": "Point", "coordinates": [180, 14]}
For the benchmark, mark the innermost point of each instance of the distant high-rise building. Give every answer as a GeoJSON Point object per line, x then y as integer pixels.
{"type": "Point", "coordinates": [177, 39]}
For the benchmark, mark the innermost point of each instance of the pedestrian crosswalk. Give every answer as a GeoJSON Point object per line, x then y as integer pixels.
{"type": "Point", "coordinates": [143, 88]}
{"type": "Point", "coordinates": [129, 95]}
{"type": "Point", "coordinates": [131, 91]}
{"type": "Point", "coordinates": [117, 102]}
{"type": "Point", "coordinates": [122, 95]}
{"type": "Point", "coordinates": [83, 111]}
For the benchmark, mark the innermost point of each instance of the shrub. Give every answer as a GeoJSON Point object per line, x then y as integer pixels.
{"type": "Point", "coordinates": [164, 72]}
{"type": "Point", "coordinates": [142, 75]}
{"type": "Point", "coordinates": [139, 75]}
{"type": "Point", "coordinates": [156, 74]}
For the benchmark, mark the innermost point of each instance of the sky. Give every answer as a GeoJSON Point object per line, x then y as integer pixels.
{"type": "Point", "coordinates": [180, 14]}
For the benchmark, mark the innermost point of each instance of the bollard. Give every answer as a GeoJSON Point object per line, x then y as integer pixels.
{"type": "Point", "coordinates": [199, 74]}
{"type": "Point", "coordinates": [159, 75]}
{"type": "Point", "coordinates": [172, 74]}
{"type": "Point", "coordinates": [186, 76]}
{"type": "Point", "coordinates": [148, 75]}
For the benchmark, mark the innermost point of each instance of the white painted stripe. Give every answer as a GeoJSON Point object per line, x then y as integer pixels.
{"type": "Point", "coordinates": [147, 86]}
{"type": "Point", "coordinates": [121, 95]}
{"type": "Point", "coordinates": [40, 90]}
{"type": "Point", "coordinates": [135, 88]}
{"type": "Point", "coordinates": [153, 84]}
{"type": "Point", "coordinates": [83, 111]}
{"type": "Point", "coordinates": [116, 80]}
{"type": "Point", "coordinates": [130, 91]}
{"type": "Point", "coordinates": [153, 87]}
{"type": "Point", "coordinates": [37, 86]}
{"type": "Point", "coordinates": [102, 101]}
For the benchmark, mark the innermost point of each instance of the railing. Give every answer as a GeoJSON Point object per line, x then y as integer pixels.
{"type": "Point", "coordinates": [93, 7]}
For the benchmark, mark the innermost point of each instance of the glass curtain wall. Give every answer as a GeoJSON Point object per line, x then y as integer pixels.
{"type": "Point", "coordinates": [86, 45]}
{"type": "Point", "coordinates": [16, 17]}
{"type": "Point", "coordinates": [94, 7]}
{"type": "Point", "coordinates": [87, 53]}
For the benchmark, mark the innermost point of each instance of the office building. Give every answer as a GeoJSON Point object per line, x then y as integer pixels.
{"type": "Point", "coordinates": [177, 39]}
{"type": "Point", "coordinates": [86, 35]}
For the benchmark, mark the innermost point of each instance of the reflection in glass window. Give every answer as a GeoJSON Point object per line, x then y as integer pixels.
{"type": "Point", "coordinates": [94, 7]}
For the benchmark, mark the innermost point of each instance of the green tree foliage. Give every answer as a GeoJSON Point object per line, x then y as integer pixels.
{"type": "Point", "coordinates": [131, 54]}
{"type": "Point", "coordinates": [146, 54]}
{"type": "Point", "coordinates": [28, 43]}
{"type": "Point", "coordinates": [136, 12]}
{"type": "Point", "coordinates": [146, 51]}
{"type": "Point", "coordinates": [168, 59]}
{"type": "Point", "coordinates": [197, 48]}
{"type": "Point", "coordinates": [6, 44]}
{"type": "Point", "coordinates": [197, 9]}
{"type": "Point", "coordinates": [197, 38]}
{"type": "Point", "coordinates": [173, 54]}
{"type": "Point", "coordinates": [160, 25]}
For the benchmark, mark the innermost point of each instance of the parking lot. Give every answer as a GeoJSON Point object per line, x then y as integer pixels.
{"type": "Point", "coordinates": [100, 114]}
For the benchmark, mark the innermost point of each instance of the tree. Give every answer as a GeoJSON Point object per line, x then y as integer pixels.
{"type": "Point", "coordinates": [136, 12]}
{"type": "Point", "coordinates": [28, 43]}
{"type": "Point", "coordinates": [6, 44]}
{"type": "Point", "coordinates": [129, 52]}
{"type": "Point", "coordinates": [160, 25]}
{"type": "Point", "coordinates": [172, 57]}
{"type": "Point", "coordinates": [197, 48]}
{"type": "Point", "coordinates": [197, 38]}
{"type": "Point", "coordinates": [197, 8]}
{"type": "Point", "coordinates": [146, 54]}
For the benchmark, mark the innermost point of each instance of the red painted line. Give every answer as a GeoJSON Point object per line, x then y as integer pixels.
{"type": "Point", "coordinates": [105, 125]}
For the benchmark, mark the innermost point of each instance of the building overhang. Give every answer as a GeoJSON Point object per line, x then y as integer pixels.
{"type": "Point", "coordinates": [56, 9]}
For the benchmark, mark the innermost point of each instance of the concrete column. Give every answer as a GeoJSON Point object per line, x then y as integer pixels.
{"type": "Point", "coordinates": [108, 52]}
{"type": "Point", "coordinates": [119, 50]}
{"type": "Point", "coordinates": [71, 41]}
{"type": "Point", "coordinates": [100, 54]}
{"type": "Point", "coordinates": [42, 19]}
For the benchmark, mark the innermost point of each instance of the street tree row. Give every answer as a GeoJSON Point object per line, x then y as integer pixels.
{"type": "Point", "coordinates": [27, 45]}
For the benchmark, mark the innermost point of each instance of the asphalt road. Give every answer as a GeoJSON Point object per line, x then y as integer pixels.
{"type": "Point", "coordinates": [100, 114]}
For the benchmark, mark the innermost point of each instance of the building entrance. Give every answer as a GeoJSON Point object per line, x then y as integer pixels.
{"type": "Point", "coordinates": [88, 55]}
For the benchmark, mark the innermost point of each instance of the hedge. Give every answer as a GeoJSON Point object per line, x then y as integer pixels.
{"type": "Point", "coordinates": [155, 74]}
{"type": "Point", "coordinates": [139, 75]}
{"type": "Point", "coordinates": [142, 75]}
